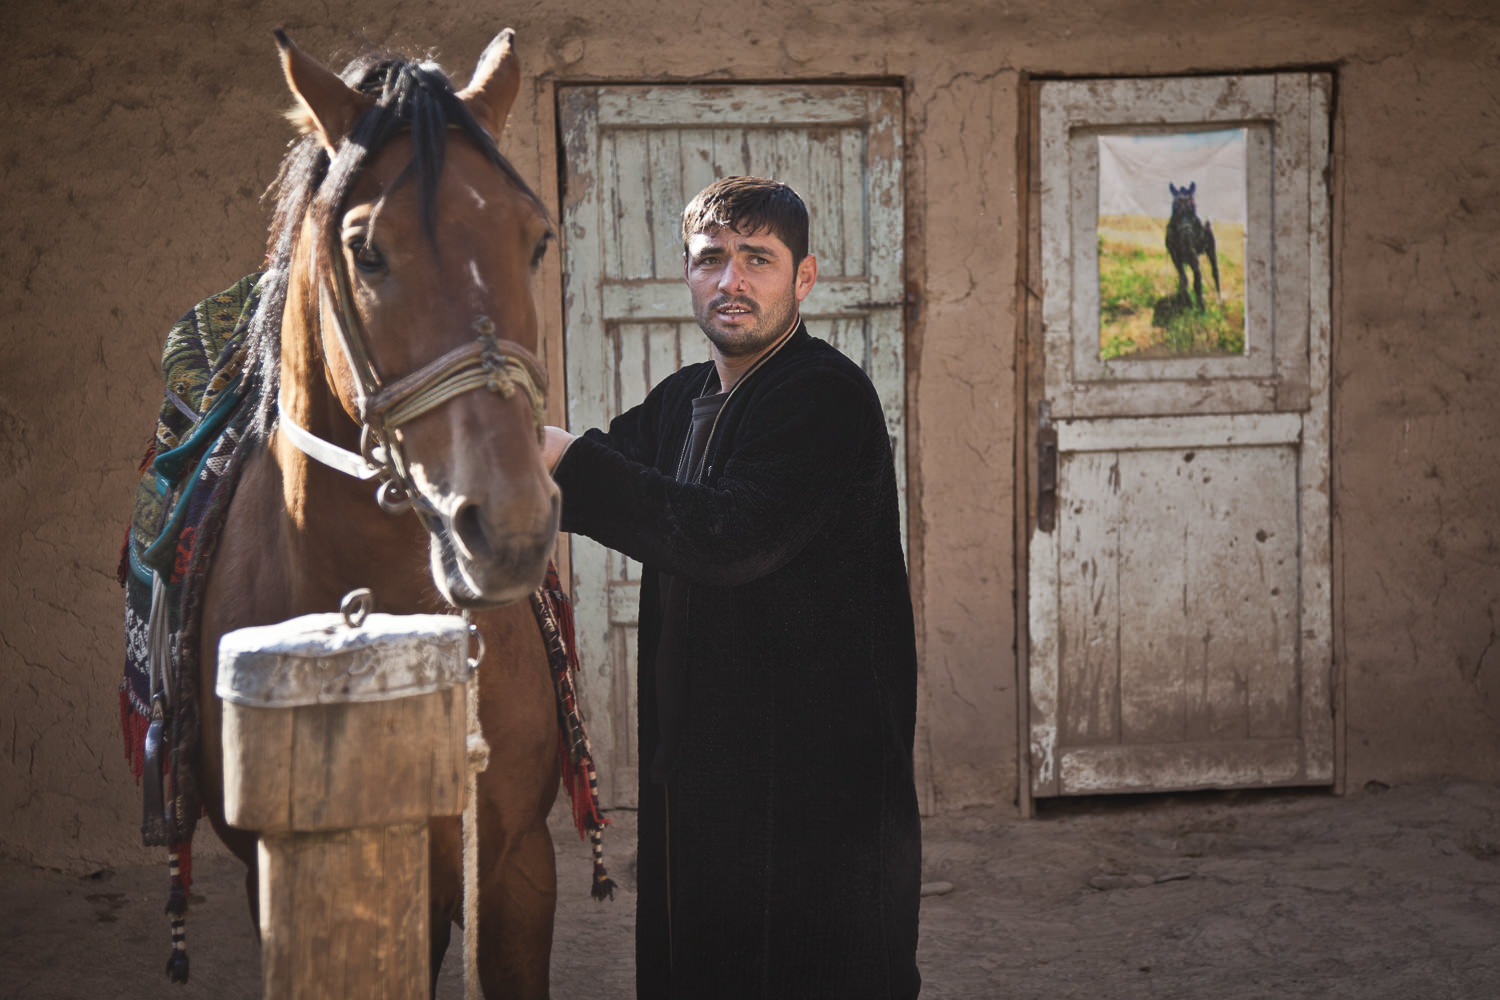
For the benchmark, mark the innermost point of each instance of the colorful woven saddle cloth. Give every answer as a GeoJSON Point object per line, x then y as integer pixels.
{"type": "Point", "coordinates": [185, 481]}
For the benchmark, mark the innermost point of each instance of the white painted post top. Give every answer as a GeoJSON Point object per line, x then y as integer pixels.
{"type": "Point", "coordinates": [321, 660]}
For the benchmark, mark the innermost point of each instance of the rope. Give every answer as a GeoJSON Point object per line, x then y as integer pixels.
{"type": "Point", "coordinates": [478, 759]}
{"type": "Point", "coordinates": [480, 364]}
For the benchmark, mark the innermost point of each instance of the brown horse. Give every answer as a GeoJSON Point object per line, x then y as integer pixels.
{"type": "Point", "coordinates": [402, 255]}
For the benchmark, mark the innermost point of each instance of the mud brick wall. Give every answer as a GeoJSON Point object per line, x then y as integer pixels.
{"type": "Point", "coordinates": [138, 137]}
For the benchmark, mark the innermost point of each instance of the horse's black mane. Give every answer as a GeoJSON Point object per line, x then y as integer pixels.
{"type": "Point", "coordinates": [411, 96]}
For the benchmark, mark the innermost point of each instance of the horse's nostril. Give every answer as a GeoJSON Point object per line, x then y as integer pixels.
{"type": "Point", "coordinates": [468, 528]}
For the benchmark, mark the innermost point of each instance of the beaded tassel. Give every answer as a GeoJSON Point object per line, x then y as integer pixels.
{"type": "Point", "coordinates": [177, 907]}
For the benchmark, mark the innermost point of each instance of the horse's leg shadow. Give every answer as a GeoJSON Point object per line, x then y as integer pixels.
{"type": "Point", "coordinates": [442, 934]}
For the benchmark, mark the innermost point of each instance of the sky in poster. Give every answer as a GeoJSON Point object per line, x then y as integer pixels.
{"type": "Point", "coordinates": [1134, 171]}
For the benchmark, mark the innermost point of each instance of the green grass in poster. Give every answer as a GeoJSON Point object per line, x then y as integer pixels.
{"type": "Point", "coordinates": [1141, 314]}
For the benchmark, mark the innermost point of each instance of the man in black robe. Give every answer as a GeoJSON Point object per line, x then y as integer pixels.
{"type": "Point", "coordinates": [780, 845]}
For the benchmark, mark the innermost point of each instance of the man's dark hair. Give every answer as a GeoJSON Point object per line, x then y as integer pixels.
{"type": "Point", "coordinates": [749, 205]}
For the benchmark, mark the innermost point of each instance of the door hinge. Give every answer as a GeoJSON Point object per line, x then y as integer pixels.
{"type": "Point", "coordinates": [1046, 468]}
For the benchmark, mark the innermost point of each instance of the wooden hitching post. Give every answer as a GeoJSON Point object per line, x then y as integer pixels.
{"type": "Point", "coordinates": [340, 742]}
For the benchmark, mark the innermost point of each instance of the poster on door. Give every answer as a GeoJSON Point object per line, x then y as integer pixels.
{"type": "Point", "coordinates": [1171, 231]}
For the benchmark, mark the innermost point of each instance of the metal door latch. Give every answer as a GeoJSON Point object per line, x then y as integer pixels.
{"type": "Point", "coordinates": [1046, 468]}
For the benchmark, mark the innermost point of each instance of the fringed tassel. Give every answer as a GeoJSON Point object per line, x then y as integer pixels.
{"type": "Point", "coordinates": [601, 886]}
{"type": "Point", "coordinates": [179, 863]}
{"type": "Point", "coordinates": [554, 616]}
{"type": "Point", "coordinates": [133, 725]}
{"type": "Point", "coordinates": [604, 886]}
{"type": "Point", "coordinates": [582, 782]}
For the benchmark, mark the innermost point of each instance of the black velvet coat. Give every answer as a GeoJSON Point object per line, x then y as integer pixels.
{"type": "Point", "coordinates": [781, 858]}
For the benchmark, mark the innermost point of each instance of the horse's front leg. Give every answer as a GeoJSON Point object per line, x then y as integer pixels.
{"type": "Point", "coordinates": [517, 876]}
{"type": "Point", "coordinates": [517, 900]}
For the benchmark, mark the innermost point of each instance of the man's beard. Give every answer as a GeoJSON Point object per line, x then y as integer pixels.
{"type": "Point", "coordinates": [765, 331]}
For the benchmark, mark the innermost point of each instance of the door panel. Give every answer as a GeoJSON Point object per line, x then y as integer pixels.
{"type": "Point", "coordinates": [634, 156]}
{"type": "Point", "coordinates": [1179, 611]}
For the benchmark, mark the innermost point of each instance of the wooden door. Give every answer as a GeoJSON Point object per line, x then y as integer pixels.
{"type": "Point", "coordinates": [634, 156]}
{"type": "Point", "coordinates": [1178, 557]}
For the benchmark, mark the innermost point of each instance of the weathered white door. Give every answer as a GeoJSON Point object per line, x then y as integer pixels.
{"type": "Point", "coordinates": [635, 155]}
{"type": "Point", "coordinates": [1178, 585]}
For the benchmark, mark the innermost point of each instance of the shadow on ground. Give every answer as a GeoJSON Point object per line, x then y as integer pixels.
{"type": "Point", "coordinates": [1379, 894]}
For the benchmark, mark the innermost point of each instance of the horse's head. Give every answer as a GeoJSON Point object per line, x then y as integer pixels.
{"type": "Point", "coordinates": [1183, 202]}
{"type": "Point", "coordinates": [415, 263]}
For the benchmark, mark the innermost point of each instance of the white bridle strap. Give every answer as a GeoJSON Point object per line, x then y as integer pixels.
{"type": "Point", "coordinates": [326, 452]}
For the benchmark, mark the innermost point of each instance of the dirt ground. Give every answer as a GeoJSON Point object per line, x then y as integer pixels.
{"type": "Point", "coordinates": [1381, 893]}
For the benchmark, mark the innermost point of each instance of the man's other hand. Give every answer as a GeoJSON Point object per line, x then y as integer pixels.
{"type": "Point", "coordinates": [555, 441]}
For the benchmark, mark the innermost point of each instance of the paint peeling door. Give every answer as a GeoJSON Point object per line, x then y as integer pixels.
{"type": "Point", "coordinates": [1178, 583]}
{"type": "Point", "coordinates": [634, 157]}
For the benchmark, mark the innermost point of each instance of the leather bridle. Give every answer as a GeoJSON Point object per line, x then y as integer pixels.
{"type": "Point", "coordinates": [487, 362]}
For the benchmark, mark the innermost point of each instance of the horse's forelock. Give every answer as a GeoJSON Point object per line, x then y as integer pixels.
{"type": "Point", "coordinates": [417, 98]}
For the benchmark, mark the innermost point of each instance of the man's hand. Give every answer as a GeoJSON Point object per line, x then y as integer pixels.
{"type": "Point", "coordinates": [555, 441]}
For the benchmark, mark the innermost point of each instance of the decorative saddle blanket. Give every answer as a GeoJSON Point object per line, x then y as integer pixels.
{"type": "Point", "coordinates": [187, 479]}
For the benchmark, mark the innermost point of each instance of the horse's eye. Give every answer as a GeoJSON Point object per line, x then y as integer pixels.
{"type": "Point", "coordinates": [366, 257]}
{"type": "Point", "coordinates": [540, 251]}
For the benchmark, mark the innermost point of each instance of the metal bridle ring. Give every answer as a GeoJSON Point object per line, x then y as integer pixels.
{"type": "Point", "coordinates": [393, 497]}
{"type": "Point", "coordinates": [374, 453]}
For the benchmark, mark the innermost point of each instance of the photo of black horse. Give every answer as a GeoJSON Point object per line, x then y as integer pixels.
{"type": "Point", "coordinates": [1187, 237]}
{"type": "Point", "coordinates": [1148, 242]}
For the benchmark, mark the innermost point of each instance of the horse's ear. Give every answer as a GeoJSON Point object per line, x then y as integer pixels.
{"type": "Point", "coordinates": [496, 81]}
{"type": "Point", "coordinates": [326, 106]}
{"type": "Point", "coordinates": [1192, 188]}
{"type": "Point", "coordinates": [1173, 188]}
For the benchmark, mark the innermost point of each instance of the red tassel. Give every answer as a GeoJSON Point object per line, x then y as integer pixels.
{"type": "Point", "coordinates": [133, 726]}
{"type": "Point", "coordinates": [554, 614]}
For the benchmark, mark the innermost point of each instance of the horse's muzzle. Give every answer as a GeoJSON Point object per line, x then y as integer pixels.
{"type": "Point", "coordinates": [481, 560]}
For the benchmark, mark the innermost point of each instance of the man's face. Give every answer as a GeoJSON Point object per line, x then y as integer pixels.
{"type": "Point", "coordinates": [745, 290]}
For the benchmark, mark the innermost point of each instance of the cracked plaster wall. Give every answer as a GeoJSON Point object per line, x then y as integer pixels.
{"type": "Point", "coordinates": [142, 134]}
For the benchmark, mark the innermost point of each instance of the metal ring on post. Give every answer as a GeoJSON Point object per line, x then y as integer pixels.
{"type": "Point", "coordinates": [356, 606]}
{"type": "Point", "coordinates": [477, 637]}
